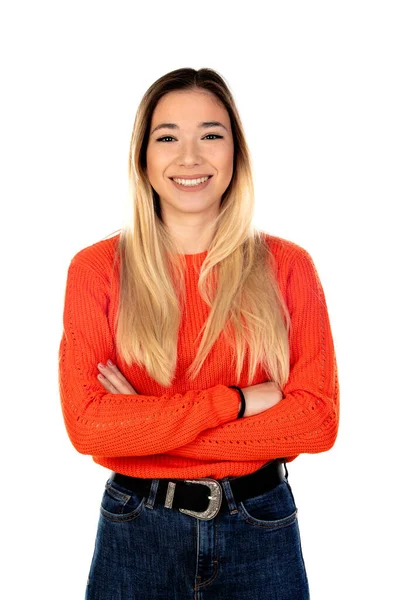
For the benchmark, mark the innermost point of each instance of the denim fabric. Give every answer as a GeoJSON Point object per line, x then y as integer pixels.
{"type": "Point", "coordinates": [144, 550]}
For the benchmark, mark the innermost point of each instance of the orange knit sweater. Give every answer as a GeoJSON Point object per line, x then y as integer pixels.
{"type": "Point", "coordinates": [190, 429]}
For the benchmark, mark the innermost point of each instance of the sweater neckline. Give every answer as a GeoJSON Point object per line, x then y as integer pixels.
{"type": "Point", "coordinates": [199, 254]}
{"type": "Point", "coordinates": [195, 260]}
{"type": "Point", "coordinates": [191, 257]}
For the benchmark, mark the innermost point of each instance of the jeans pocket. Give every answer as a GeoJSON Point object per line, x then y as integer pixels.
{"type": "Point", "coordinates": [120, 504]}
{"type": "Point", "coordinates": [273, 509]}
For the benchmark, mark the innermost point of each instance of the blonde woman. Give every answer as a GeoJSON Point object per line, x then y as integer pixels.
{"type": "Point", "coordinates": [196, 361]}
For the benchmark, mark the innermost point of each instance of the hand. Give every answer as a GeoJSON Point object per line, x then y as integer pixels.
{"type": "Point", "coordinates": [113, 380]}
{"type": "Point", "coordinates": [260, 397]}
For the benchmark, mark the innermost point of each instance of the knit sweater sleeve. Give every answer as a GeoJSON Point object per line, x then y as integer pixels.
{"type": "Point", "coordinates": [306, 419]}
{"type": "Point", "coordinates": [105, 424]}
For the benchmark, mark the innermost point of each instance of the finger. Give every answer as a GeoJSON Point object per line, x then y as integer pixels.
{"type": "Point", "coordinates": [117, 379]}
{"type": "Point", "coordinates": [107, 385]}
{"type": "Point", "coordinates": [115, 370]}
{"type": "Point", "coordinates": [112, 377]}
{"type": "Point", "coordinates": [117, 375]}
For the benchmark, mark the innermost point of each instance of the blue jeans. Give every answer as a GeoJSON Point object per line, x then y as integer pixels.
{"type": "Point", "coordinates": [251, 552]}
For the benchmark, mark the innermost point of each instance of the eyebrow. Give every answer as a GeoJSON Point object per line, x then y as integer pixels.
{"type": "Point", "coordinates": [203, 125]}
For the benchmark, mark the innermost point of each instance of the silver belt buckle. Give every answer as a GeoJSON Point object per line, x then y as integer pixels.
{"type": "Point", "coordinates": [215, 498]}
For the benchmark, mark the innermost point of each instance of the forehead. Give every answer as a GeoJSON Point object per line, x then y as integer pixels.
{"type": "Point", "coordinates": [181, 106]}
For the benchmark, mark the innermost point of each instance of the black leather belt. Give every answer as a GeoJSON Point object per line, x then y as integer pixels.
{"type": "Point", "coordinates": [204, 498]}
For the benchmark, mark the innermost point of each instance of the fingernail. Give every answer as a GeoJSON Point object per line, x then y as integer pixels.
{"type": "Point", "coordinates": [101, 366]}
{"type": "Point", "coordinates": [110, 363]}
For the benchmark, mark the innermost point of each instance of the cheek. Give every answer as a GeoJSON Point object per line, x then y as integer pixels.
{"type": "Point", "coordinates": [154, 165]}
{"type": "Point", "coordinates": [226, 164]}
{"type": "Point", "coordinates": [224, 157]}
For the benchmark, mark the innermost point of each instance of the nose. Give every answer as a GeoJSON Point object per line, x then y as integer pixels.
{"type": "Point", "coordinates": [189, 154]}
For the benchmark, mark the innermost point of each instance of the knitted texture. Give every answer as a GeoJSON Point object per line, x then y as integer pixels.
{"type": "Point", "coordinates": [190, 429]}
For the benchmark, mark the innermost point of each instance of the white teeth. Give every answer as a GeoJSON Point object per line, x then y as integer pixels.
{"type": "Point", "coordinates": [191, 182]}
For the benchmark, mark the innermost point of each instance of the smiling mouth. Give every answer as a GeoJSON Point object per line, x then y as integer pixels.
{"type": "Point", "coordinates": [190, 178]}
{"type": "Point", "coordinates": [189, 185]}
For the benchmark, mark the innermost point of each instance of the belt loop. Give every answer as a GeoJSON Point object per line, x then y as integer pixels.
{"type": "Point", "coordinates": [229, 495]}
{"type": "Point", "coordinates": [152, 493]}
{"type": "Point", "coordinates": [286, 471]}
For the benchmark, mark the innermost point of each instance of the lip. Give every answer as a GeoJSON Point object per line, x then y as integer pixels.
{"type": "Point", "coordinates": [191, 188]}
{"type": "Point", "coordinates": [190, 176]}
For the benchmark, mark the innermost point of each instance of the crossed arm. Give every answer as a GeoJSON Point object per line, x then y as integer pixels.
{"type": "Point", "coordinates": [199, 424]}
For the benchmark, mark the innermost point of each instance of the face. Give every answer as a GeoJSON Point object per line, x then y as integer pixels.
{"type": "Point", "coordinates": [188, 149]}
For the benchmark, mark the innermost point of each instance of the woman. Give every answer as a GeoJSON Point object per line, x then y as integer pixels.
{"type": "Point", "coordinates": [222, 366]}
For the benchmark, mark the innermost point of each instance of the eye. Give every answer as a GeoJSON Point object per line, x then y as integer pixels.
{"type": "Point", "coordinates": [168, 137]}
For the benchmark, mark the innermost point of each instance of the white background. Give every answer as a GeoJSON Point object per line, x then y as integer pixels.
{"type": "Point", "coordinates": [317, 87]}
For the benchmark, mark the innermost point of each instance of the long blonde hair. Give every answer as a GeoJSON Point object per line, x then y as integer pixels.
{"type": "Point", "coordinates": [236, 279]}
